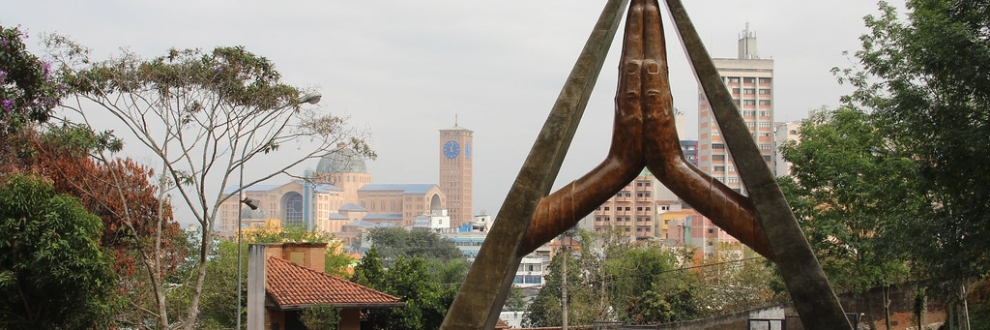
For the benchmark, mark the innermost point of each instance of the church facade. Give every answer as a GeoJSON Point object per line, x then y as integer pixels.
{"type": "Point", "coordinates": [339, 192]}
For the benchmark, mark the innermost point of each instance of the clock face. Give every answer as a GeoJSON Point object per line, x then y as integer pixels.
{"type": "Point", "coordinates": [451, 149]}
{"type": "Point", "coordinates": [467, 150]}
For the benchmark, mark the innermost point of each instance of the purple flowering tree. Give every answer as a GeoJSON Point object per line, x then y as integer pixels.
{"type": "Point", "coordinates": [28, 90]}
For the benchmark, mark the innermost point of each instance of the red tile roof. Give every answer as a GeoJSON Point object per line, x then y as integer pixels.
{"type": "Point", "coordinates": [289, 286]}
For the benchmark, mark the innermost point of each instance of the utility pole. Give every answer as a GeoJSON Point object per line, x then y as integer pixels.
{"type": "Point", "coordinates": [563, 285]}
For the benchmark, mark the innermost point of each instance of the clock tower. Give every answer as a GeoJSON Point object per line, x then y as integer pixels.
{"type": "Point", "coordinates": [456, 159]}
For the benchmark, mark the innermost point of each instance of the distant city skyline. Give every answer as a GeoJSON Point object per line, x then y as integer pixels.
{"type": "Point", "coordinates": [402, 70]}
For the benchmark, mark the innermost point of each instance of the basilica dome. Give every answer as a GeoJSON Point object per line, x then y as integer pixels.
{"type": "Point", "coordinates": [342, 161]}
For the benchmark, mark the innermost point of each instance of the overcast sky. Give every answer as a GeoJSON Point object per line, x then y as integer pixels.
{"type": "Point", "coordinates": [404, 69]}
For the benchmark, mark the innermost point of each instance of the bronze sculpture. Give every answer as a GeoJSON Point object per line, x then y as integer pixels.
{"type": "Point", "coordinates": [643, 135]}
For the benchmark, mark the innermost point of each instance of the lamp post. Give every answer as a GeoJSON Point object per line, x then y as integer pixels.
{"type": "Point", "coordinates": [311, 98]}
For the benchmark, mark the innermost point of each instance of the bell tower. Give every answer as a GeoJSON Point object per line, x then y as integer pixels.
{"type": "Point", "coordinates": [456, 159]}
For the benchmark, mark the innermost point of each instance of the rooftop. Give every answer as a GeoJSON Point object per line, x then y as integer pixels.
{"type": "Point", "coordinates": [291, 286]}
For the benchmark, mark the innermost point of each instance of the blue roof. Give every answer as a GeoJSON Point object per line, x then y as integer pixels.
{"type": "Point", "coordinates": [257, 187]}
{"type": "Point", "coordinates": [337, 216]}
{"type": "Point", "coordinates": [405, 188]}
{"type": "Point", "coordinates": [324, 187]}
{"type": "Point", "coordinates": [366, 224]}
{"type": "Point", "coordinates": [352, 207]}
{"type": "Point", "coordinates": [383, 216]}
{"type": "Point", "coordinates": [360, 223]}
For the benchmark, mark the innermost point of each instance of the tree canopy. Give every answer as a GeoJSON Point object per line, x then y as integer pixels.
{"type": "Point", "coordinates": [393, 242]}
{"type": "Point", "coordinates": [53, 272]}
{"type": "Point", "coordinates": [426, 297]}
{"type": "Point", "coordinates": [850, 188]}
{"type": "Point", "coordinates": [925, 79]}
{"type": "Point", "coordinates": [28, 88]}
{"type": "Point", "coordinates": [203, 115]}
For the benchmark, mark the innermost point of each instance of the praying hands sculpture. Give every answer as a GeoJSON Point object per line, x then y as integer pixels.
{"type": "Point", "coordinates": [644, 135]}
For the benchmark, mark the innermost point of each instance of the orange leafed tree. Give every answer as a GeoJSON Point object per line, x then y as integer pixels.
{"type": "Point", "coordinates": [138, 225]}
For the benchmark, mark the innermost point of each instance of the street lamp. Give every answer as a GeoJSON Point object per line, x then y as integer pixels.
{"type": "Point", "coordinates": [311, 98]}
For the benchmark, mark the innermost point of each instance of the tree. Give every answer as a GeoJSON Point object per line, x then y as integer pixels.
{"type": "Point", "coordinates": [582, 300]}
{"type": "Point", "coordinates": [320, 317]}
{"type": "Point", "coordinates": [138, 227]}
{"type": "Point", "coordinates": [393, 242]}
{"type": "Point", "coordinates": [730, 281]}
{"type": "Point", "coordinates": [53, 273]}
{"type": "Point", "coordinates": [924, 77]}
{"type": "Point", "coordinates": [204, 116]}
{"type": "Point", "coordinates": [851, 189]}
{"type": "Point", "coordinates": [28, 91]}
{"type": "Point", "coordinates": [426, 299]}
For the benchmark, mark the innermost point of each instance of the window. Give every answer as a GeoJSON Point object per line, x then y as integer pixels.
{"type": "Point", "coordinates": [639, 208]}
{"type": "Point", "coordinates": [628, 208]}
{"type": "Point", "coordinates": [749, 102]}
{"type": "Point", "coordinates": [733, 179]}
{"type": "Point", "coordinates": [749, 91]}
{"type": "Point", "coordinates": [598, 219]}
{"type": "Point", "coordinates": [765, 80]}
{"type": "Point", "coordinates": [765, 124]}
{"type": "Point", "coordinates": [764, 92]}
{"type": "Point", "coordinates": [718, 145]}
{"type": "Point", "coordinates": [749, 80]}
{"type": "Point", "coordinates": [606, 208]}
{"type": "Point", "coordinates": [764, 146]}
{"type": "Point", "coordinates": [719, 168]}
{"type": "Point", "coordinates": [766, 158]}
{"type": "Point", "coordinates": [718, 158]}
{"type": "Point", "coordinates": [734, 79]}
{"type": "Point", "coordinates": [735, 91]}
{"type": "Point", "coordinates": [764, 113]}
{"type": "Point", "coordinates": [749, 113]}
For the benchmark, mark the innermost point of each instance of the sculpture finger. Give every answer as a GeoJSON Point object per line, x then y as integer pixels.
{"type": "Point", "coordinates": [726, 208]}
{"type": "Point", "coordinates": [565, 207]}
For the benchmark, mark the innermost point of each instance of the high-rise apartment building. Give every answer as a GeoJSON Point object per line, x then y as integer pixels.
{"type": "Point", "coordinates": [456, 159]}
{"type": "Point", "coordinates": [632, 211]}
{"type": "Point", "coordinates": [750, 80]}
